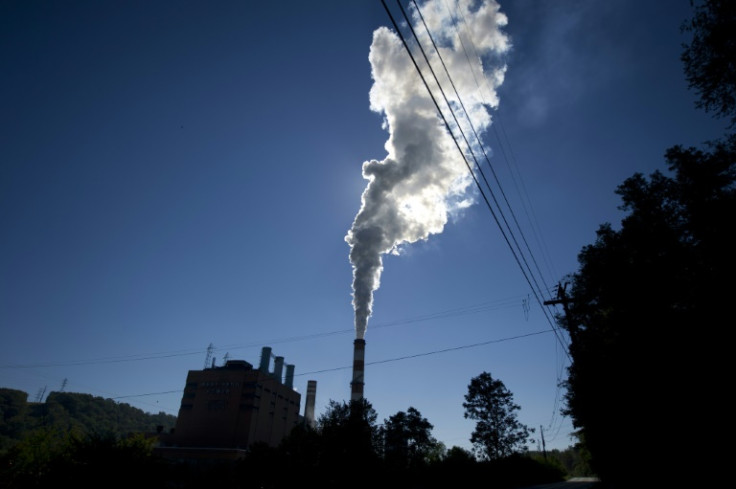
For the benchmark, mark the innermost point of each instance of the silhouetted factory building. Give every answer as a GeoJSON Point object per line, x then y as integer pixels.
{"type": "Point", "coordinates": [235, 405]}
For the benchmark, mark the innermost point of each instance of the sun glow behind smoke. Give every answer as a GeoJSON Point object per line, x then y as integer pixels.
{"type": "Point", "coordinates": [423, 179]}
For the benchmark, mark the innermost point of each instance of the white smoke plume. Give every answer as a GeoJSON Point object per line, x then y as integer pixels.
{"type": "Point", "coordinates": [412, 191]}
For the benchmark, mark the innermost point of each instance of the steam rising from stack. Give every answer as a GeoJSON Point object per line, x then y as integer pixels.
{"type": "Point", "coordinates": [423, 179]}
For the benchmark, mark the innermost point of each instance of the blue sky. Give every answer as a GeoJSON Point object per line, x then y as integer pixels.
{"type": "Point", "coordinates": [179, 174]}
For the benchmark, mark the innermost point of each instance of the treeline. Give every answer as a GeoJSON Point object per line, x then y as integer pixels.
{"type": "Point", "coordinates": [346, 447]}
{"type": "Point", "coordinates": [349, 448]}
{"type": "Point", "coordinates": [72, 413]}
{"type": "Point", "coordinates": [572, 461]}
{"type": "Point", "coordinates": [648, 296]}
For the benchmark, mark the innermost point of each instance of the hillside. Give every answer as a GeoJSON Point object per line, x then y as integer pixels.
{"type": "Point", "coordinates": [73, 411]}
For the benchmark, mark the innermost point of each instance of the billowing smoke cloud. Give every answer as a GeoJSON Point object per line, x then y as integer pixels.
{"type": "Point", "coordinates": [423, 179]}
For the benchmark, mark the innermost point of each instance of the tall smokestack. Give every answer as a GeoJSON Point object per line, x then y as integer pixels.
{"type": "Point", "coordinates": [356, 386]}
{"type": "Point", "coordinates": [278, 368]}
{"type": "Point", "coordinates": [265, 359]}
{"type": "Point", "coordinates": [309, 405]}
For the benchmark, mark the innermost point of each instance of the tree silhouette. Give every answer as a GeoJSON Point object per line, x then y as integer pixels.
{"type": "Point", "coordinates": [497, 432]}
{"type": "Point", "coordinates": [351, 441]}
{"type": "Point", "coordinates": [650, 296]}
{"type": "Point", "coordinates": [709, 58]}
{"type": "Point", "coordinates": [640, 303]}
{"type": "Point", "coordinates": [408, 439]}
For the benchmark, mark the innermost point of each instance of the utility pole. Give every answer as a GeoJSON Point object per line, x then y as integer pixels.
{"type": "Point", "coordinates": [544, 446]}
{"type": "Point", "coordinates": [564, 300]}
{"type": "Point", "coordinates": [561, 297]}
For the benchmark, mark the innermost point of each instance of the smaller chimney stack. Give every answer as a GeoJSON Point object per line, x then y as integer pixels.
{"type": "Point", "coordinates": [309, 404]}
{"type": "Point", "coordinates": [278, 369]}
{"type": "Point", "coordinates": [289, 382]}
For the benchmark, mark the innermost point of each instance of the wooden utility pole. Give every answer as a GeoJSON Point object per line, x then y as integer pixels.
{"type": "Point", "coordinates": [564, 300]}
{"type": "Point", "coordinates": [544, 446]}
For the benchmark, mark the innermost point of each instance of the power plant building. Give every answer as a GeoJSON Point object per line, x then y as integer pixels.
{"type": "Point", "coordinates": [236, 405]}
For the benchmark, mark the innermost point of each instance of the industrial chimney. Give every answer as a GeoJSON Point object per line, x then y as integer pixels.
{"type": "Point", "coordinates": [309, 404]}
{"type": "Point", "coordinates": [265, 359]}
{"type": "Point", "coordinates": [278, 369]}
{"type": "Point", "coordinates": [356, 386]}
{"type": "Point", "coordinates": [289, 381]}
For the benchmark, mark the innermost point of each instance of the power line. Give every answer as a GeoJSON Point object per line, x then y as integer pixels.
{"type": "Point", "coordinates": [74, 363]}
{"type": "Point", "coordinates": [378, 362]}
{"type": "Point", "coordinates": [536, 229]}
{"type": "Point", "coordinates": [558, 334]}
{"type": "Point", "coordinates": [524, 198]}
{"type": "Point", "coordinates": [454, 312]}
{"type": "Point", "coordinates": [434, 352]}
{"type": "Point", "coordinates": [538, 236]}
{"type": "Point", "coordinates": [480, 145]}
{"type": "Point", "coordinates": [475, 179]}
{"type": "Point", "coordinates": [534, 223]}
{"type": "Point", "coordinates": [148, 394]}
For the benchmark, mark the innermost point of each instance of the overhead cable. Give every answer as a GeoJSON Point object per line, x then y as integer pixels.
{"type": "Point", "coordinates": [462, 153]}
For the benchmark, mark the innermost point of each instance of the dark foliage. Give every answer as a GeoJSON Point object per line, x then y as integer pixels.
{"type": "Point", "coordinates": [649, 302]}
{"type": "Point", "coordinates": [344, 451]}
{"type": "Point", "coordinates": [351, 442]}
{"type": "Point", "coordinates": [646, 303]}
{"type": "Point", "coordinates": [516, 470]}
{"type": "Point", "coordinates": [408, 440]}
{"type": "Point", "coordinates": [72, 412]}
{"type": "Point", "coordinates": [710, 66]}
{"type": "Point", "coordinates": [13, 416]}
{"type": "Point", "coordinates": [573, 461]}
{"type": "Point", "coordinates": [498, 433]}
{"type": "Point", "coordinates": [49, 457]}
